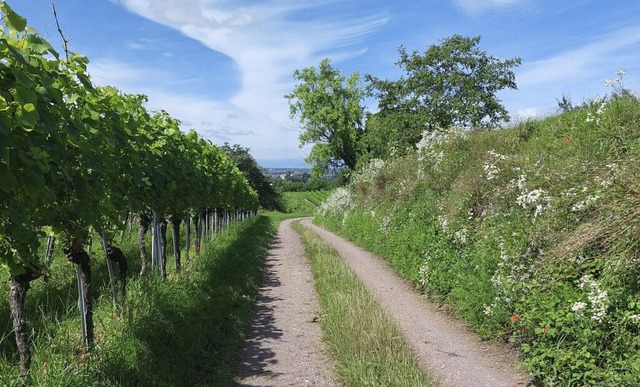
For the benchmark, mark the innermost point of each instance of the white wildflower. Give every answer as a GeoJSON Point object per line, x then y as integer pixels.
{"type": "Point", "coordinates": [460, 237]}
{"type": "Point", "coordinates": [491, 170]}
{"type": "Point", "coordinates": [598, 298]}
{"type": "Point", "coordinates": [578, 307]}
{"type": "Point", "coordinates": [589, 200]}
{"type": "Point", "coordinates": [340, 201]}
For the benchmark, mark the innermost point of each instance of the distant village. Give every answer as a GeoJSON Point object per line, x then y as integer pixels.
{"type": "Point", "coordinates": [289, 174]}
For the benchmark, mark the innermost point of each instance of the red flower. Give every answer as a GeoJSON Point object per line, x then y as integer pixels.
{"type": "Point", "coordinates": [565, 140]}
{"type": "Point", "coordinates": [515, 318]}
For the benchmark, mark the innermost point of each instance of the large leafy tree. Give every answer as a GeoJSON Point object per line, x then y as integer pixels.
{"type": "Point", "coordinates": [453, 83]}
{"type": "Point", "coordinates": [329, 107]}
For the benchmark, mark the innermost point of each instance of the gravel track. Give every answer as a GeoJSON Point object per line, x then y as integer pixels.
{"type": "Point", "coordinates": [284, 346]}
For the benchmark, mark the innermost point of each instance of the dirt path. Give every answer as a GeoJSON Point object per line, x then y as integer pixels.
{"type": "Point", "coordinates": [284, 346]}
{"type": "Point", "coordinates": [451, 353]}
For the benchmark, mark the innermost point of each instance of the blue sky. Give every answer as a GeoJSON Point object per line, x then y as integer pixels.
{"type": "Point", "coordinates": [223, 66]}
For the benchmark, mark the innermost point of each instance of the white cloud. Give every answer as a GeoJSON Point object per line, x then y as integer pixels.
{"type": "Point", "coordinates": [606, 52]}
{"type": "Point", "coordinates": [267, 41]}
{"type": "Point", "coordinates": [474, 7]}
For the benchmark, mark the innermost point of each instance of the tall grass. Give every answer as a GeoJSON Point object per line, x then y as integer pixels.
{"type": "Point", "coordinates": [531, 233]}
{"type": "Point", "coordinates": [186, 330]}
{"type": "Point", "coordinates": [367, 346]}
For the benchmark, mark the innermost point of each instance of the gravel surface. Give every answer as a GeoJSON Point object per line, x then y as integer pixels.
{"type": "Point", "coordinates": [447, 348]}
{"type": "Point", "coordinates": [284, 346]}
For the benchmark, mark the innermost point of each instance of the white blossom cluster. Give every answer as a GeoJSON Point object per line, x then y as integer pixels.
{"type": "Point", "coordinates": [427, 146]}
{"type": "Point", "coordinates": [596, 118]}
{"type": "Point", "coordinates": [340, 201]}
{"type": "Point", "coordinates": [491, 169]}
{"type": "Point", "coordinates": [369, 172]}
{"type": "Point", "coordinates": [424, 271]}
{"type": "Point", "coordinates": [589, 200]}
{"type": "Point", "coordinates": [423, 275]}
{"type": "Point", "coordinates": [508, 275]}
{"type": "Point", "coordinates": [385, 225]}
{"type": "Point", "coordinates": [537, 198]}
{"type": "Point", "coordinates": [430, 139]}
{"type": "Point", "coordinates": [634, 317]}
{"type": "Point", "coordinates": [598, 299]}
{"type": "Point", "coordinates": [461, 236]}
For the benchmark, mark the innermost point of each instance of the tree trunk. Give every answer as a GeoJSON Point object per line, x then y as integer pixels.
{"type": "Point", "coordinates": [142, 230]}
{"type": "Point", "coordinates": [80, 257]}
{"type": "Point", "coordinates": [19, 286]}
{"type": "Point", "coordinates": [175, 228]}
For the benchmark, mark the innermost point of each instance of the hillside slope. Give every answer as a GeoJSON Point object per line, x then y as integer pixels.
{"type": "Point", "coordinates": [530, 233]}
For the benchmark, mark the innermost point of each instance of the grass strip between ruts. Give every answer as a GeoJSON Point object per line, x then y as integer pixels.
{"type": "Point", "coordinates": [367, 347]}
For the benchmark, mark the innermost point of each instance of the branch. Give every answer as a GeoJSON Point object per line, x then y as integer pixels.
{"type": "Point", "coordinates": [65, 42]}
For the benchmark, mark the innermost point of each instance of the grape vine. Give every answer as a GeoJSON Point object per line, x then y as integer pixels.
{"type": "Point", "coordinates": [76, 157]}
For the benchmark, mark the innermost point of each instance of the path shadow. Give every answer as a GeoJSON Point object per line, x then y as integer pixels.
{"type": "Point", "coordinates": [257, 355]}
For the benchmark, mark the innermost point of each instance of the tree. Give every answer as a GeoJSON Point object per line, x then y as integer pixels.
{"type": "Point", "coordinates": [453, 83]}
{"type": "Point", "coordinates": [328, 106]}
{"type": "Point", "coordinates": [268, 197]}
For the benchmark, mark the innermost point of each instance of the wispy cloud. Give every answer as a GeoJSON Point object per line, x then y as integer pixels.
{"type": "Point", "coordinates": [578, 72]}
{"type": "Point", "coordinates": [607, 51]}
{"type": "Point", "coordinates": [474, 7]}
{"type": "Point", "coordinates": [267, 41]}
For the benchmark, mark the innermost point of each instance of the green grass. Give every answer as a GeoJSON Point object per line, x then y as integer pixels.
{"type": "Point", "coordinates": [187, 330]}
{"type": "Point", "coordinates": [530, 233]}
{"type": "Point", "coordinates": [303, 203]}
{"type": "Point", "coordinates": [367, 346]}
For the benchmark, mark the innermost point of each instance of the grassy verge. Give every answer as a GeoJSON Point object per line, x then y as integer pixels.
{"type": "Point", "coordinates": [365, 343]}
{"type": "Point", "coordinates": [186, 330]}
{"type": "Point", "coordinates": [531, 233]}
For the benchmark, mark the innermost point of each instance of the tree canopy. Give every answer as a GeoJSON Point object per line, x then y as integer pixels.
{"type": "Point", "coordinates": [329, 107]}
{"type": "Point", "coordinates": [453, 83]}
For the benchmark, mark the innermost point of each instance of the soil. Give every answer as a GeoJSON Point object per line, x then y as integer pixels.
{"type": "Point", "coordinates": [284, 347]}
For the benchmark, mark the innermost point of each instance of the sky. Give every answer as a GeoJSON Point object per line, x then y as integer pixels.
{"type": "Point", "coordinates": [222, 67]}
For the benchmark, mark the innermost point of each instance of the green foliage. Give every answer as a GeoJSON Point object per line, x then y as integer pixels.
{"type": "Point", "coordinates": [75, 156]}
{"type": "Point", "coordinates": [268, 197]}
{"type": "Point", "coordinates": [529, 233]}
{"type": "Point", "coordinates": [328, 106]}
{"type": "Point", "coordinates": [453, 83]}
{"type": "Point", "coordinates": [303, 203]}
